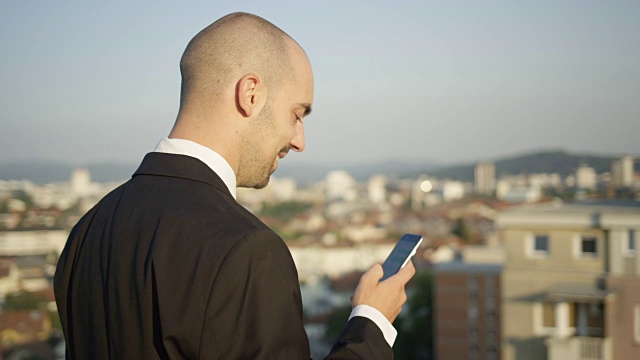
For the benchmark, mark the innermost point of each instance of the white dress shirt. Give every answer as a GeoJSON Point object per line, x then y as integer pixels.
{"type": "Point", "coordinates": [221, 167]}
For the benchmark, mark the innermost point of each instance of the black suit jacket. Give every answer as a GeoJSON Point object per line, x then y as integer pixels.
{"type": "Point", "coordinates": [170, 266]}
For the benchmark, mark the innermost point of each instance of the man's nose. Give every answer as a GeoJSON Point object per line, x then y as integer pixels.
{"type": "Point", "coordinates": [297, 142]}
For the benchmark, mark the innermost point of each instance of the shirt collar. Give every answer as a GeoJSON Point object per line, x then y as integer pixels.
{"type": "Point", "coordinates": [211, 158]}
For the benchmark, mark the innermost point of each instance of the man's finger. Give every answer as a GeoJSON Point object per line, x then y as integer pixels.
{"type": "Point", "coordinates": [374, 274]}
{"type": "Point", "coordinates": [406, 273]}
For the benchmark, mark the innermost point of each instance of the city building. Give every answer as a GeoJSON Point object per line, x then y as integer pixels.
{"type": "Point", "coordinates": [339, 185]}
{"type": "Point", "coordinates": [9, 277]}
{"type": "Point", "coordinates": [571, 281]}
{"type": "Point", "coordinates": [467, 306]}
{"type": "Point", "coordinates": [518, 193]}
{"type": "Point", "coordinates": [622, 172]}
{"type": "Point", "coordinates": [333, 261]}
{"type": "Point", "coordinates": [36, 242]}
{"type": "Point", "coordinates": [586, 178]}
{"type": "Point", "coordinates": [376, 189]}
{"type": "Point", "coordinates": [23, 326]}
{"type": "Point", "coordinates": [485, 178]}
{"type": "Point", "coordinates": [452, 190]}
{"type": "Point", "coordinates": [80, 182]}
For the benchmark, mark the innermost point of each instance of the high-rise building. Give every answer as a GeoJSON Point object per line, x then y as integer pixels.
{"type": "Point", "coordinates": [452, 190]}
{"type": "Point", "coordinates": [622, 172]}
{"type": "Point", "coordinates": [586, 178]}
{"type": "Point", "coordinates": [467, 311]}
{"type": "Point", "coordinates": [485, 178]}
{"type": "Point", "coordinates": [376, 189]}
{"type": "Point", "coordinates": [80, 182]}
{"type": "Point", "coordinates": [571, 281]}
{"type": "Point", "coordinates": [340, 185]}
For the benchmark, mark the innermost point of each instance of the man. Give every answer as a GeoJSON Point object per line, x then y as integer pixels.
{"type": "Point", "coordinates": [169, 265]}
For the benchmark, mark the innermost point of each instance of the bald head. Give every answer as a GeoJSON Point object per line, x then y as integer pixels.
{"type": "Point", "coordinates": [246, 86]}
{"type": "Point", "coordinates": [231, 47]}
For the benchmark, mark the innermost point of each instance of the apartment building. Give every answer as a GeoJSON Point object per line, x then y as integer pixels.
{"type": "Point", "coordinates": [571, 281]}
{"type": "Point", "coordinates": [467, 311]}
{"type": "Point", "coordinates": [485, 178]}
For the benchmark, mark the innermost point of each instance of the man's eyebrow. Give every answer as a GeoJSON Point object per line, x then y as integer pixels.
{"type": "Point", "coordinates": [306, 107]}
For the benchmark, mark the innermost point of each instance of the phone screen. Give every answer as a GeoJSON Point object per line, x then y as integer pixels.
{"type": "Point", "coordinates": [400, 255]}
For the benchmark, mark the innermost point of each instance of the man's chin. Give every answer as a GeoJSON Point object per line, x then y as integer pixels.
{"type": "Point", "coordinates": [262, 184]}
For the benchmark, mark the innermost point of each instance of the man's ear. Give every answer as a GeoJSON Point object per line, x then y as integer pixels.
{"type": "Point", "coordinates": [249, 94]}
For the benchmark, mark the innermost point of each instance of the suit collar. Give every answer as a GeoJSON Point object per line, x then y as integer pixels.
{"type": "Point", "coordinates": [180, 166]}
{"type": "Point", "coordinates": [215, 161]}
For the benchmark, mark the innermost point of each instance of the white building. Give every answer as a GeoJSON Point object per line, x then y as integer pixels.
{"type": "Point", "coordinates": [37, 242]}
{"type": "Point", "coordinates": [586, 178]}
{"type": "Point", "coordinates": [80, 183]}
{"type": "Point", "coordinates": [452, 190]}
{"type": "Point", "coordinates": [283, 189]}
{"type": "Point", "coordinates": [518, 193]}
{"type": "Point", "coordinates": [334, 261]}
{"type": "Point", "coordinates": [339, 185]}
{"type": "Point", "coordinates": [544, 180]}
{"type": "Point", "coordinates": [376, 189]}
{"type": "Point", "coordinates": [485, 178]}
{"type": "Point", "coordinates": [622, 172]}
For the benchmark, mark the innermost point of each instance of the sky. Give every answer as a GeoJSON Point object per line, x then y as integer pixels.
{"type": "Point", "coordinates": [440, 81]}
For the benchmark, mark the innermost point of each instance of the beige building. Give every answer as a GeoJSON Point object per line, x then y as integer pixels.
{"type": "Point", "coordinates": [571, 281]}
{"type": "Point", "coordinates": [622, 172]}
{"type": "Point", "coordinates": [485, 178]}
{"type": "Point", "coordinates": [586, 178]}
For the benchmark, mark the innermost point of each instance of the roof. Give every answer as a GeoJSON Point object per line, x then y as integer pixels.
{"type": "Point", "coordinates": [591, 214]}
{"type": "Point", "coordinates": [575, 292]}
{"type": "Point", "coordinates": [462, 267]}
{"type": "Point", "coordinates": [23, 321]}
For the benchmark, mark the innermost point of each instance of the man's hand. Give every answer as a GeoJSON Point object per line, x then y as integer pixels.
{"type": "Point", "coordinates": [387, 296]}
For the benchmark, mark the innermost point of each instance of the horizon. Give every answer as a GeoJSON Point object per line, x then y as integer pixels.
{"type": "Point", "coordinates": [441, 82]}
{"type": "Point", "coordinates": [297, 160]}
{"type": "Point", "coordinates": [561, 162]}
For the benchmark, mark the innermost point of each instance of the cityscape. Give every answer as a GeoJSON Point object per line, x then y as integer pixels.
{"type": "Point", "coordinates": [505, 133]}
{"type": "Point", "coordinates": [513, 266]}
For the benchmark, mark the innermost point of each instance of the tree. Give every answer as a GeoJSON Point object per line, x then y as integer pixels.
{"type": "Point", "coordinates": [461, 230]}
{"type": "Point", "coordinates": [335, 323]}
{"type": "Point", "coordinates": [415, 327]}
{"type": "Point", "coordinates": [23, 300]}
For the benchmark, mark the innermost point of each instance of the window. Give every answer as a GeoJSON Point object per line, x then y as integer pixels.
{"type": "Point", "coordinates": [538, 245]}
{"type": "Point", "coordinates": [472, 283]}
{"type": "Point", "coordinates": [548, 315]}
{"type": "Point", "coordinates": [544, 318]}
{"type": "Point", "coordinates": [588, 246]}
{"type": "Point", "coordinates": [491, 339]}
{"type": "Point", "coordinates": [630, 247]}
{"type": "Point", "coordinates": [588, 319]}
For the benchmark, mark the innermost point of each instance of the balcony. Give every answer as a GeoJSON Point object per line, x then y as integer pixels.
{"type": "Point", "coordinates": [578, 348]}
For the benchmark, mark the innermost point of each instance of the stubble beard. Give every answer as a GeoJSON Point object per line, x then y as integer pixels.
{"type": "Point", "coordinates": [264, 175]}
{"type": "Point", "coordinates": [255, 169]}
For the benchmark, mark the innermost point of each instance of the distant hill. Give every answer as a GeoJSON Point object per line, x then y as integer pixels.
{"type": "Point", "coordinates": [557, 161]}
{"type": "Point", "coordinates": [42, 172]}
{"type": "Point", "coordinates": [309, 173]}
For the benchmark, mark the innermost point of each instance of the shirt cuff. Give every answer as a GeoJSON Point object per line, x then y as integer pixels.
{"type": "Point", "coordinates": [376, 316]}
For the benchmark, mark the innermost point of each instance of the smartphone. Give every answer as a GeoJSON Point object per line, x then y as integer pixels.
{"type": "Point", "coordinates": [401, 254]}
